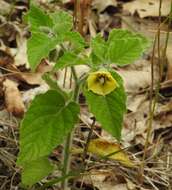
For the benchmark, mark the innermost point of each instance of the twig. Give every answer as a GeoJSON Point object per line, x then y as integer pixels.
{"type": "Point", "coordinates": [88, 140]}
{"type": "Point", "coordinates": [64, 79]}
{"type": "Point", "coordinates": [86, 147]}
{"type": "Point", "coordinates": [158, 42]}
{"type": "Point", "coordinates": [150, 115]}
{"type": "Point", "coordinates": [168, 32]}
{"type": "Point", "coordinates": [153, 103]}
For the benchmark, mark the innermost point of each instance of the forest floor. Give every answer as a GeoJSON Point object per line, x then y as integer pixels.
{"type": "Point", "coordinates": [17, 89]}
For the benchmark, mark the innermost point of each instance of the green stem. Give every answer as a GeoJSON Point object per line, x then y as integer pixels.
{"type": "Point", "coordinates": [59, 179]}
{"type": "Point", "coordinates": [74, 74]}
{"type": "Point", "coordinates": [66, 161]}
{"type": "Point", "coordinates": [68, 142]}
{"type": "Point", "coordinates": [86, 147]}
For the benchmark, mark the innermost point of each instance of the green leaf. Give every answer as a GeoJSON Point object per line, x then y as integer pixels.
{"type": "Point", "coordinates": [37, 18]}
{"type": "Point", "coordinates": [109, 110]}
{"type": "Point", "coordinates": [95, 61]}
{"type": "Point", "coordinates": [125, 51]}
{"type": "Point", "coordinates": [54, 85]}
{"type": "Point", "coordinates": [76, 39]}
{"type": "Point", "coordinates": [47, 32]}
{"type": "Point", "coordinates": [117, 34]}
{"type": "Point", "coordinates": [99, 49]}
{"type": "Point", "coordinates": [34, 171]}
{"type": "Point", "coordinates": [144, 41]}
{"type": "Point", "coordinates": [124, 47]}
{"type": "Point", "coordinates": [70, 59]}
{"type": "Point", "coordinates": [48, 120]}
{"type": "Point", "coordinates": [62, 22]}
{"type": "Point", "coordinates": [38, 47]}
{"type": "Point", "coordinates": [63, 29]}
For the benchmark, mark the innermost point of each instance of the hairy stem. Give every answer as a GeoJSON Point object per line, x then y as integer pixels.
{"type": "Point", "coordinates": [68, 142]}
{"type": "Point", "coordinates": [58, 180]}
{"type": "Point", "coordinates": [78, 25]}
{"type": "Point", "coordinates": [66, 160]}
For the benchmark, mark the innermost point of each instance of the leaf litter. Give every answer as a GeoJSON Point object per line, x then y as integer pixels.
{"type": "Point", "coordinates": [17, 81]}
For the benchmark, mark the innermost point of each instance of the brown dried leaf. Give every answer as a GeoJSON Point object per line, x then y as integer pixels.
{"type": "Point", "coordinates": [1, 86]}
{"type": "Point", "coordinates": [134, 80]}
{"type": "Point", "coordinates": [36, 78]}
{"type": "Point", "coordinates": [4, 7]}
{"type": "Point", "coordinates": [102, 5]}
{"type": "Point", "coordinates": [147, 8]}
{"type": "Point", "coordinates": [110, 150]}
{"type": "Point", "coordinates": [13, 99]}
{"type": "Point", "coordinates": [5, 58]}
{"type": "Point", "coordinates": [30, 78]}
{"type": "Point", "coordinates": [21, 54]}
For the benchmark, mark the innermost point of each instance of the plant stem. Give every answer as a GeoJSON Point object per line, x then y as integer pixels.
{"type": "Point", "coordinates": [159, 44]}
{"type": "Point", "coordinates": [168, 32]}
{"type": "Point", "coordinates": [151, 113]}
{"type": "Point", "coordinates": [88, 140]}
{"type": "Point", "coordinates": [58, 179]}
{"type": "Point", "coordinates": [86, 147]}
{"type": "Point", "coordinates": [78, 25]}
{"type": "Point", "coordinates": [68, 142]}
{"type": "Point", "coordinates": [67, 159]}
{"type": "Point", "coordinates": [154, 102]}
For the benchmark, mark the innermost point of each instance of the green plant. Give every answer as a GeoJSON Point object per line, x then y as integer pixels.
{"type": "Point", "coordinates": [52, 116]}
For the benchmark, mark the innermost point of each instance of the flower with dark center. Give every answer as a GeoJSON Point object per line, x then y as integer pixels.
{"type": "Point", "coordinates": [101, 82]}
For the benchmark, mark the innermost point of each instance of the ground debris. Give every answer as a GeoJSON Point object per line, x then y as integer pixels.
{"type": "Point", "coordinates": [13, 98]}
{"type": "Point", "coordinates": [18, 86]}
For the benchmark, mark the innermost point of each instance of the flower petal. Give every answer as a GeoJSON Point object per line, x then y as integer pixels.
{"type": "Point", "coordinates": [95, 84]}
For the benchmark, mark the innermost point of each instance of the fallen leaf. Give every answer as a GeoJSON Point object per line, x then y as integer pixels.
{"type": "Point", "coordinates": [110, 150]}
{"type": "Point", "coordinates": [4, 7]}
{"type": "Point", "coordinates": [30, 78]}
{"type": "Point", "coordinates": [5, 58]}
{"type": "Point", "coordinates": [35, 78]}
{"type": "Point", "coordinates": [134, 80]}
{"type": "Point", "coordinates": [8, 33]}
{"type": "Point", "coordinates": [134, 101]}
{"type": "Point", "coordinates": [130, 184]}
{"type": "Point", "coordinates": [104, 179]}
{"type": "Point", "coordinates": [21, 54]}
{"type": "Point", "coordinates": [163, 116]}
{"type": "Point", "coordinates": [1, 86]}
{"type": "Point", "coordinates": [102, 5]}
{"type": "Point", "coordinates": [13, 99]}
{"type": "Point", "coordinates": [147, 8]}
{"type": "Point", "coordinates": [92, 24]}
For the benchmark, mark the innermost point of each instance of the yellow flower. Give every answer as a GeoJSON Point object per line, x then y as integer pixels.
{"type": "Point", "coordinates": [101, 82]}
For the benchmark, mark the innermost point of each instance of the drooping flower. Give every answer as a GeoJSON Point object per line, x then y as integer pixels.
{"type": "Point", "coordinates": [101, 82]}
